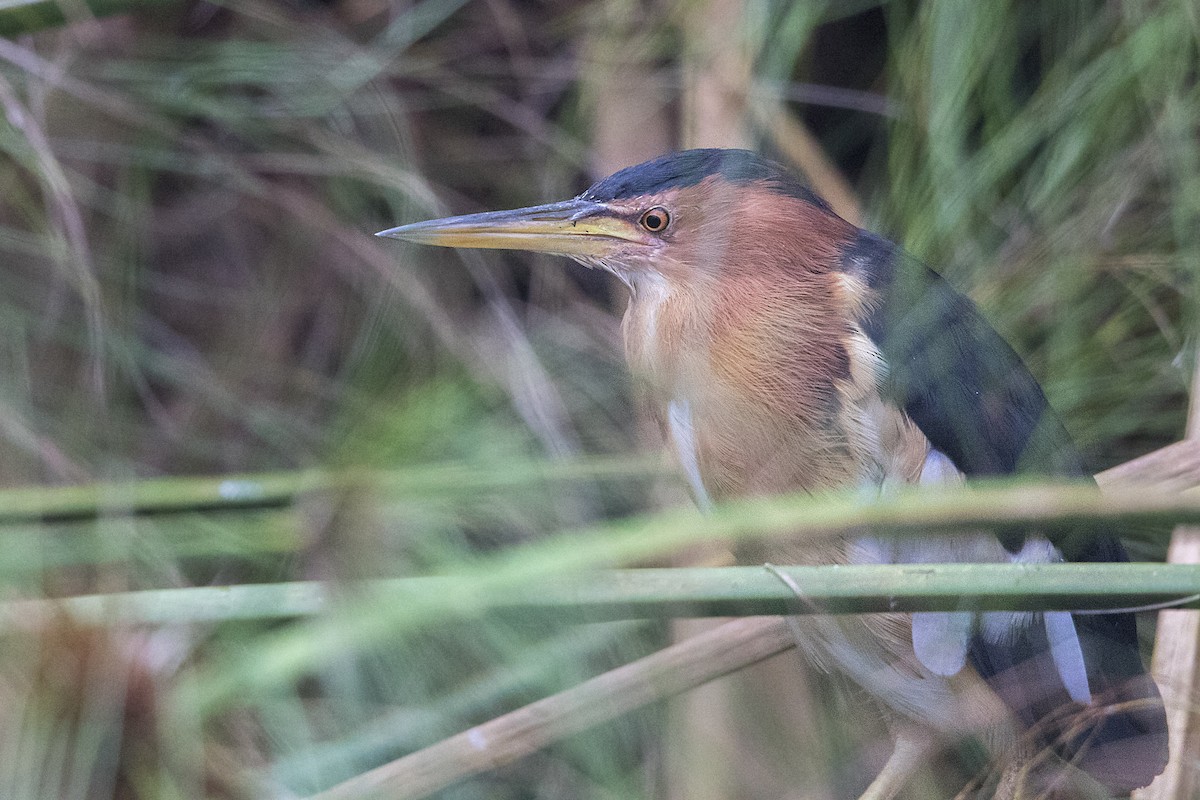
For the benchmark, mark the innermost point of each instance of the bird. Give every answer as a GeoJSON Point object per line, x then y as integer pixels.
{"type": "Point", "coordinates": [783, 349]}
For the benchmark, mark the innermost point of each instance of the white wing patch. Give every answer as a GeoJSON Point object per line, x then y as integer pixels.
{"type": "Point", "coordinates": [683, 437]}
{"type": "Point", "coordinates": [940, 639]}
{"type": "Point", "coordinates": [1065, 650]}
{"type": "Point", "coordinates": [1068, 655]}
{"type": "Point", "coordinates": [938, 468]}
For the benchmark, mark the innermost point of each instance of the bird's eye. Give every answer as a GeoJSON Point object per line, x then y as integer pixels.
{"type": "Point", "coordinates": [656, 219]}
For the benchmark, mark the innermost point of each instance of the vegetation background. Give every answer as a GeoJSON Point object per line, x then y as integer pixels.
{"type": "Point", "coordinates": [190, 288]}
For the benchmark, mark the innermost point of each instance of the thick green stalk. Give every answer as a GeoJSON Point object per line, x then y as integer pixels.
{"type": "Point", "coordinates": [157, 496]}
{"type": "Point", "coordinates": [699, 592]}
{"type": "Point", "coordinates": [286, 654]}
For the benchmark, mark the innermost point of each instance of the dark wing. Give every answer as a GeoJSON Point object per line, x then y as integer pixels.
{"type": "Point", "coordinates": [959, 381]}
{"type": "Point", "coordinates": [977, 402]}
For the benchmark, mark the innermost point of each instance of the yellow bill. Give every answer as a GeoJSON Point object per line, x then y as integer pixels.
{"type": "Point", "coordinates": [572, 228]}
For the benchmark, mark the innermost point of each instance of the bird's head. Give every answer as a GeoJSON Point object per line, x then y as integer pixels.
{"type": "Point", "coordinates": [682, 218]}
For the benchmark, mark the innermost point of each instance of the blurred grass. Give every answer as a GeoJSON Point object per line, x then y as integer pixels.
{"type": "Point", "coordinates": [187, 194]}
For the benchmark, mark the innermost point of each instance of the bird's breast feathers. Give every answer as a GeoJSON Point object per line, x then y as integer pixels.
{"type": "Point", "coordinates": [780, 384]}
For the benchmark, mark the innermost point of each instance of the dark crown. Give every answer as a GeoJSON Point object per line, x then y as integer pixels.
{"type": "Point", "coordinates": [689, 167]}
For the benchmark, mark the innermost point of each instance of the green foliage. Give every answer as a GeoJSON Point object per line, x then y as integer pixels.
{"type": "Point", "coordinates": [1044, 166]}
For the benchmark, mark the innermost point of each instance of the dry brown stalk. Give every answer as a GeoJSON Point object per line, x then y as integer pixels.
{"type": "Point", "coordinates": [505, 739]}
{"type": "Point", "coordinates": [1174, 468]}
{"type": "Point", "coordinates": [717, 72]}
{"type": "Point", "coordinates": [1176, 664]}
{"type": "Point", "coordinates": [803, 150]}
{"type": "Point", "coordinates": [717, 69]}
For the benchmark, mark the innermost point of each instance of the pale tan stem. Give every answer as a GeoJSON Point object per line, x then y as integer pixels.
{"type": "Point", "coordinates": [1176, 664]}
{"type": "Point", "coordinates": [913, 748]}
{"type": "Point", "coordinates": [505, 739]}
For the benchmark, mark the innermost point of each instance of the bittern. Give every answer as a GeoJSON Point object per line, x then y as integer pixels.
{"type": "Point", "coordinates": [783, 349]}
